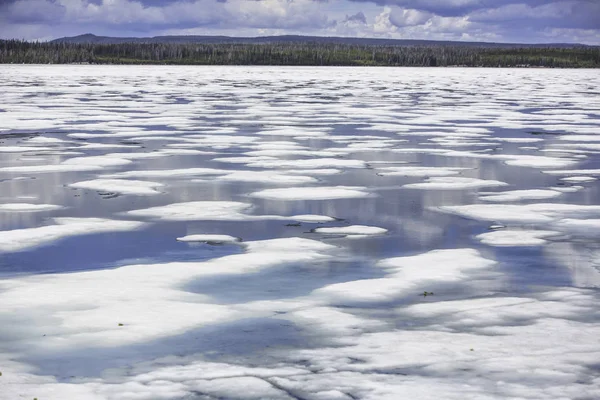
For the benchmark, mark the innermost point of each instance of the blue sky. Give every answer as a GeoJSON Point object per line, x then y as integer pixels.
{"type": "Point", "coordinates": [527, 21]}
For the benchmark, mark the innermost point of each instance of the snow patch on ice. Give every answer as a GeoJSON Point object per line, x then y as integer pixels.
{"type": "Point", "coordinates": [209, 238]}
{"type": "Point", "coordinates": [515, 238]}
{"type": "Point", "coordinates": [361, 230]}
{"type": "Point", "coordinates": [579, 179]}
{"type": "Point", "coordinates": [167, 173]}
{"type": "Point", "coordinates": [453, 183]}
{"type": "Point", "coordinates": [538, 161]}
{"type": "Point", "coordinates": [196, 211]}
{"type": "Point", "coordinates": [574, 172]}
{"type": "Point", "coordinates": [522, 214]}
{"type": "Point", "coordinates": [519, 195]}
{"type": "Point", "coordinates": [22, 149]}
{"type": "Point", "coordinates": [27, 207]}
{"type": "Point", "coordinates": [310, 218]}
{"type": "Point", "coordinates": [419, 171]}
{"type": "Point", "coordinates": [408, 276]}
{"type": "Point", "coordinates": [121, 186]}
{"type": "Point", "coordinates": [267, 177]}
{"type": "Point", "coordinates": [23, 239]}
{"type": "Point", "coordinates": [313, 193]}
{"type": "Point", "coordinates": [309, 163]}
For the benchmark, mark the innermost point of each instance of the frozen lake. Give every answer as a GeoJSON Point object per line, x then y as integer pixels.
{"type": "Point", "coordinates": [299, 233]}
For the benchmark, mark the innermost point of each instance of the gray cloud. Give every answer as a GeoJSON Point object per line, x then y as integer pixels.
{"type": "Point", "coordinates": [31, 11]}
{"type": "Point", "coordinates": [403, 17]}
{"type": "Point", "coordinates": [565, 14]}
{"type": "Point", "coordinates": [498, 20]}
{"type": "Point", "coordinates": [455, 8]}
{"type": "Point", "coordinates": [358, 17]}
{"type": "Point", "coordinates": [506, 18]}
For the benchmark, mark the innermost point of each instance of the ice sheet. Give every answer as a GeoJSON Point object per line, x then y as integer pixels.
{"type": "Point", "coordinates": [287, 317]}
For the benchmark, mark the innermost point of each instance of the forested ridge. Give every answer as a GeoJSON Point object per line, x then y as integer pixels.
{"type": "Point", "coordinates": [294, 53]}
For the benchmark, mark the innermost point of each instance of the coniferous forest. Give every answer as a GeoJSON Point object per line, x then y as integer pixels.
{"type": "Point", "coordinates": [295, 53]}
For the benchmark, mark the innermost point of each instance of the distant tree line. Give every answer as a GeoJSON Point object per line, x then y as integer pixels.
{"type": "Point", "coordinates": [326, 54]}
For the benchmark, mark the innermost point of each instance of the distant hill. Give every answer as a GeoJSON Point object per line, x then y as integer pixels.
{"type": "Point", "coordinates": [93, 39]}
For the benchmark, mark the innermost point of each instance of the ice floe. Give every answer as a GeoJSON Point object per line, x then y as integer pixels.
{"type": "Point", "coordinates": [267, 177]}
{"type": "Point", "coordinates": [209, 238]}
{"type": "Point", "coordinates": [580, 227]}
{"type": "Point", "coordinates": [579, 179]}
{"type": "Point", "coordinates": [519, 195]}
{"type": "Point", "coordinates": [52, 168]}
{"type": "Point", "coordinates": [136, 303]}
{"type": "Point", "coordinates": [418, 171]}
{"type": "Point", "coordinates": [309, 163]}
{"type": "Point", "coordinates": [538, 161]}
{"type": "Point", "coordinates": [217, 211]}
{"type": "Point", "coordinates": [313, 193]}
{"type": "Point", "coordinates": [290, 152]}
{"type": "Point", "coordinates": [540, 213]}
{"type": "Point", "coordinates": [27, 207]}
{"type": "Point", "coordinates": [100, 161]}
{"type": "Point", "coordinates": [568, 189]}
{"type": "Point", "coordinates": [167, 173]}
{"type": "Point", "coordinates": [43, 140]}
{"type": "Point", "coordinates": [243, 159]}
{"type": "Point", "coordinates": [408, 276]}
{"type": "Point", "coordinates": [23, 239]}
{"type": "Point", "coordinates": [454, 183]}
{"type": "Point", "coordinates": [515, 238]}
{"type": "Point", "coordinates": [121, 186]}
{"type": "Point", "coordinates": [104, 146]}
{"type": "Point", "coordinates": [361, 230]}
{"type": "Point", "coordinates": [309, 218]}
{"type": "Point", "coordinates": [22, 149]}
{"type": "Point", "coordinates": [196, 210]}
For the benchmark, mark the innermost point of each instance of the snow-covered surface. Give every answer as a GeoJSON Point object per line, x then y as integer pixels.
{"type": "Point", "coordinates": [172, 173]}
{"type": "Point", "coordinates": [454, 183]}
{"type": "Point", "coordinates": [408, 276]}
{"type": "Point", "coordinates": [518, 195]}
{"type": "Point", "coordinates": [312, 218]}
{"type": "Point", "coordinates": [483, 286]}
{"type": "Point", "coordinates": [196, 210]}
{"type": "Point", "coordinates": [312, 193]}
{"type": "Point", "coordinates": [539, 161]}
{"type": "Point", "coordinates": [418, 171]}
{"type": "Point", "coordinates": [515, 238]}
{"type": "Point", "coordinates": [119, 186]}
{"type": "Point", "coordinates": [20, 149]}
{"type": "Point", "coordinates": [211, 238]}
{"type": "Point", "coordinates": [573, 172]}
{"type": "Point", "coordinates": [579, 179]}
{"type": "Point", "coordinates": [215, 211]}
{"type": "Point", "coordinates": [268, 177]}
{"type": "Point", "coordinates": [352, 230]}
{"type": "Point", "coordinates": [22, 239]}
{"type": "Point", "coordinates": [28, 207]}
{"type": "Point", "coordinates": [309, 163]}
{"type": "Point", "coordinates": [530, 213]}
